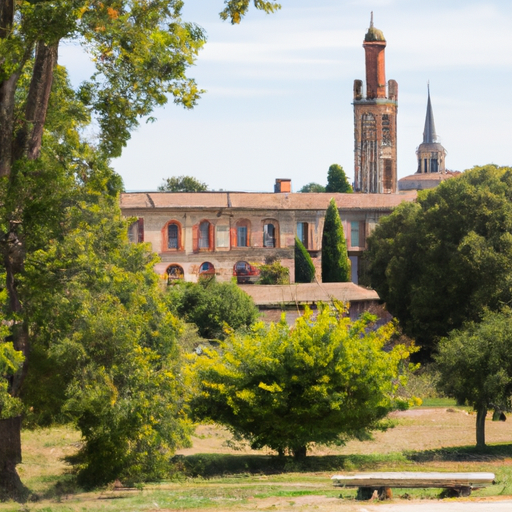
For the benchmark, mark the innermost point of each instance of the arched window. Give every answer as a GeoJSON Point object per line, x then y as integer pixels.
{"type": "Point", "coordinates": [136, 231]}
{"type": "Point", "coordinates": [204, 235]}
{"type": "Point", "coordinates": [269, 235]}
{"type": "Point", "coordinates": [206, 269]}
{"type": "Point", "coordinates": [245, 272]}
{"type": "Point", "coordinates": [174, 273]}
{"type": "Point", "coordinates": [173, 241]}
{"type": "Point", "coordinates": [172, 236]}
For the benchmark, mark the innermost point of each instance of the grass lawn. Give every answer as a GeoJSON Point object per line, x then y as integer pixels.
{"type": "Point", "coordinates": [235, 478]}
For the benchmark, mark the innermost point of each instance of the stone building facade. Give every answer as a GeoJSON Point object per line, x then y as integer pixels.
{"type": "Point", "coordinates": [375, 121]}
{"type": "Point", "coordinates": [222, 233]}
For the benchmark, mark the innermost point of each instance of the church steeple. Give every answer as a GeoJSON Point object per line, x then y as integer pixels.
{"type": "Point", "coordinates": [431, 154]}
{"type": "Point", "coordinates": [429, 133]}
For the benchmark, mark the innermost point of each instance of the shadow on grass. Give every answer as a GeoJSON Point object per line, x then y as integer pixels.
{"type": "Point", "coordinates": [462, 453]}
{"type": "Point", "coordinates": [215, 465]}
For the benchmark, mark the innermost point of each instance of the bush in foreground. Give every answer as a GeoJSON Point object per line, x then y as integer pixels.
{"type": "Point", "coordinates": [324, 380]}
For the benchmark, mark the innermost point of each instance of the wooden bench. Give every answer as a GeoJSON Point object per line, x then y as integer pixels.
{"type": "Point", "coordinates": [373, 485]}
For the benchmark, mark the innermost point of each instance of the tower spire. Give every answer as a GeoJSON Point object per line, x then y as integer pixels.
{"type": "Point", "coordinates": [371, 20]}
{"type": "Point", "coordinates": [429, 133]}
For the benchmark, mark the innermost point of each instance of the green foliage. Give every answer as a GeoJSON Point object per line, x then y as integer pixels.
{"type": "Point", "coordinates": [337, 180]}
{"type": "Point", "coordinates": [235, 10]}
{"type": "Point", "coordinates": [444, 259]}
{"type": "Point", "coordinates": [312, 187]}
{"type": "Point", "coordinates": [104, 352]}
{"type": "Point", "coordinates": [77, 293]}
{"type": "Point", "coordinates": [272, 272]}
{"type": "Point", "coordinates": [304, 266]}
{"type": "Point", "coordinates": [11, 361]}
{"type": "Point", "coordinates": [323, 380]}
{"type": "Point", "coordinates": [182, 184]}
{"type": "Point", "coordinates": [335, 262]}
{"type": "Point", "coordinates": [212, 306]}
{"type": "Point", "coordinates": [475, 364]}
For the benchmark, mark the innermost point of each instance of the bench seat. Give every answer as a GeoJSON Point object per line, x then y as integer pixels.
{"type": "Point", "coordinates": [382, 482]}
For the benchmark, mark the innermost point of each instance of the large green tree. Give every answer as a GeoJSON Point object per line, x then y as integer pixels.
{"type": "Point", "coordinates": [141, 51]}
{"type": "Point", "coordinates": [335, 262]}
{"type": "Point", "coordinates": [337, 180]}
{"type": "Point", "coordinates": [182, 184]}
{"type": "Point", "coordinates": [475, 366]}
{"type": "Point", "coordinates": [212, 306]}
{"type": "Point", "coordinates": [322, 380]}
{"type": "Point", "coordinates": [444, 259]}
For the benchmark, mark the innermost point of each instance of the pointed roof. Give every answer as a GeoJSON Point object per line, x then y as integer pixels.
{"type": "Point", "coordinates": [374, 34]}
{"type": "Point", "coordinates": [429, 133]}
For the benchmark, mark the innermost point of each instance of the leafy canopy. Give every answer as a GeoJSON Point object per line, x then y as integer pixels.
{"type": "Point", "coordinates": [323, 380]}
{"type": "Point", "coordinates": [312, 187]}
{"type": "Point", "coordinates": [273, 272]}
{"type": "Point", "coordinates": [182, 184]}
{"type": "Point", "coordinates": [444, 259]}
{"type": "Point", "coordinates": [212, 306]}
{"type": "Point", "coordinates": [475, 365]}
{"type": "Point", "coordinates": [335, 262]}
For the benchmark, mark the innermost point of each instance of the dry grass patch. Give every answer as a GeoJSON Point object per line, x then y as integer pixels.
{"type": "Point", "coordinates": [242, 479]}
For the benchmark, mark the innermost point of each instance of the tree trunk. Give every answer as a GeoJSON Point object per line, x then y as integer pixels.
{"type": "Point", "coordinates": [480, 426]}
{"type": "Point", "coordinates": [22, 141]}
{"type": "Point", "coordinates": [29, 137]}
{"type": "Point", "coordinates": [299, 453]}
{"type": "Point", "coordinates": [7, 92]}
{"type": "Point", "coordinates": [10, 455]}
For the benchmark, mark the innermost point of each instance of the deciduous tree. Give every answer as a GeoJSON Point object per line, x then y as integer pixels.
{"type": "Point", "coordinates": [312, 187]}
{"type": "Point", "coordinates": [335, 262]}
{"type": "Point", "coordinates": [212, 306]}
{"type": "Point", "coordinates": [142, 51]}
{"type": "Point", "coordinates": [475, 365]}
{"type": "Point", "coordinates": [182, 184]}
{"type": "Point", "coordinates": [444, 259]}
{"type": "Point", "coordinates": [323, 380]}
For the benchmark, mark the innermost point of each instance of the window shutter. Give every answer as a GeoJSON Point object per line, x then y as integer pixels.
{"type": "Point", "coordinates": [211, 236]}
{"type": "Point", "coordinates": [141, 229]}
{"type": "Point", "coordinates": [195, 238]}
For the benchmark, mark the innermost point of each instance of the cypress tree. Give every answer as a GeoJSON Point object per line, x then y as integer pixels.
{"type": "Point", "coordinates": [304, 266]}
{"type": "Point", "coordinates": [335, 262]}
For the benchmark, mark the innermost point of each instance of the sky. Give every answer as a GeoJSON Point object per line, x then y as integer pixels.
{"type": "Point", "coordinates": [279, 91]}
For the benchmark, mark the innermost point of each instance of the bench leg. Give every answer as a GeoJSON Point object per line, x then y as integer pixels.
{"type": "Point", "coordinates": [372, 493]}
{"type": "Point", "coordinates": [456, 492]}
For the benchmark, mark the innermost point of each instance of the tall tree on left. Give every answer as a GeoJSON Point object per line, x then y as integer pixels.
{"type": "Point", "coordinates": [141, 51]}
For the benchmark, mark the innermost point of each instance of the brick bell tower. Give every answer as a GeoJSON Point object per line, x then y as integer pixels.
{"type": "Point", "coordinates": [375, 121]}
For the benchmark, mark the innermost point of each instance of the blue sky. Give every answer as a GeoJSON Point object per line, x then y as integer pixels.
{"type": "Point", "coordinates": [279, 91]}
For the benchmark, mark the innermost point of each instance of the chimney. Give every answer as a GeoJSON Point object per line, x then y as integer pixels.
{"type": "Point", "coordinates": [282, 185]}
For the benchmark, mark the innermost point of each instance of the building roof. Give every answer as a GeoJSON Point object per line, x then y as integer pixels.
{"type": "Point", "coordinates": [422, 181]}
{"type": "Point", "coordinates": [278, 295]}
{"type": "Point", "coordinates": [261, 200]}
